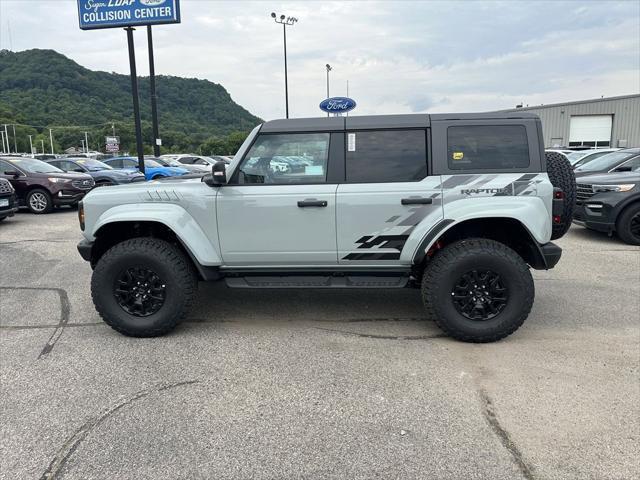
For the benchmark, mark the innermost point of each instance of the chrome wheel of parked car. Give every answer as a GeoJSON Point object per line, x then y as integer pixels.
{"type": "Point", "coordinates": [39, 201]}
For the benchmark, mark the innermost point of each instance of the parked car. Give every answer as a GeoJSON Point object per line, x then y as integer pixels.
{"type": "Point", "coordinates": [585, 156]}
{"type": "Point", "coordinates": [172, 162]}
{"type": "Point", "coordinates": [610, 203]}
{"type": "Point", "coordinates": [8, 202]}
{"type": "Point", "coordinates": [40, 186]}
{"type": "Point", "coordinates": [621, 161]}
{"type": "Point", "coordinates": [563, 151]}
{"type": "Point", "coordinates": [465, 225]}
{"type": "Point", "coordinates": [190, 159]}
{"type": "Point", "coordinates": [152, 169]}
{"type": "Point", "coordinates": [102, 174]}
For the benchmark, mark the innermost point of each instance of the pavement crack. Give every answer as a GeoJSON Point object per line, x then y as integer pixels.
{"type": "Point", "coordinates": [488, 411]}
{"type": "Point", "coordinates": [65, 312]}
{"type": "Point", "coordinates": [382, 337]}
{"type": "Point", "coordinates": [72, 443]}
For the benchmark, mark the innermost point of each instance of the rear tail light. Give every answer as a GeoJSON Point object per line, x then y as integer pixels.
{"type": "Point", "coordinates": [557, 219]}
{"type": "Point", "coordinates": [558, 194]}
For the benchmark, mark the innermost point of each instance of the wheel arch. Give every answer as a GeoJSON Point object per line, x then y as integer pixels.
{"type": "Point", "coordinates": [625, 204]}
{"type": "Point", "coordinates": [507, 230]}
{"type": "Point", "coordinates": [167, 221]}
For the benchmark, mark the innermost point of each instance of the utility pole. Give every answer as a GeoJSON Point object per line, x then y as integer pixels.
{"type": "Point", "coordinates": [154, 97]}
{"type": "Point", "coordinates": [30, 144]}
{"type": "Point", "coordinates": [82, 145]}
{"type": "Point", "coordinates": [51, 140]}
{"type": "Point", "coordinates": [136, 100]}
{"type": "Point", "coordinates": [42, 145]}
{"type": "Point", "coordinates": [15, 140]}
{"type": "Point", "coordinates": [113, 129]}
{"type": "Point", "coordinates": [2, 138]}
{"type": "Point", "coordinates": [86, 141]}
{"type": "Point", "coordinates": [285, 21]}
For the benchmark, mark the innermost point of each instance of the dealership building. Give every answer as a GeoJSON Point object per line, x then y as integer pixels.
{"type": "Point", "coordinates": [602, 122]}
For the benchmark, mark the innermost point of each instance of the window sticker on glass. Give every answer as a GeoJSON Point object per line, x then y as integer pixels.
{"type": "Point", "coordinates": [351, 142]}
{"type": "Point", "coordinates": [458, 155]}
{"type": "Point", "coordinates": [313, 170]}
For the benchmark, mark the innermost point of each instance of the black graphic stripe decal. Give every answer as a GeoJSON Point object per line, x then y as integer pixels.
{"type": "Point", "coordinates": [372, 256]}
{"type": "Point", "coordinates": [386, 241]}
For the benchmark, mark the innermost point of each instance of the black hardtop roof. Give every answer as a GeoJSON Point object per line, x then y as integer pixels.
{"type": "Point", "coordinates": [368, 122]}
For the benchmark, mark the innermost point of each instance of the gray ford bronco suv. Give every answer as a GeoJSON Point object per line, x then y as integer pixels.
{"type": "Point", "coordinates": [458, 205]}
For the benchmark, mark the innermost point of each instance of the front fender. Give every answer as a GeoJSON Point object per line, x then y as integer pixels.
{"type": "Point", "coordinates": [185, 227]}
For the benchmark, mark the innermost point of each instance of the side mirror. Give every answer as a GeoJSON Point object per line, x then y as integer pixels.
{"type": "Point", "coordinates": [624, 168]}
{"type": "Point", "coordinates": [79, 170]}
{"type": "Point", "coordinates": [218, 175]}
{"type": "Point", "coordinates": [219, 172]}
{"type": "Point", "coordinates": [12, 173]}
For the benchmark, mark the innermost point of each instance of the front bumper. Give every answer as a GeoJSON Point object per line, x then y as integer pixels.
{"type": "Point", "coordinates": [84, 248]}
{"type": "Point", "coordinates": [11, 208]}
{"type": "Point", "coordinates": [68, 197]}
{"type": "Point", "coordinates": [596, 216]}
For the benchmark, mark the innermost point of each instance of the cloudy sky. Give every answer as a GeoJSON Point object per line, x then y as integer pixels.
{"type": "Point", "coordinates": [398, 57]}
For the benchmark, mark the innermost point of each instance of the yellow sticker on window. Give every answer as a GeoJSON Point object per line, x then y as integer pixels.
{"type": "Point", "coordinates": [458, 155]}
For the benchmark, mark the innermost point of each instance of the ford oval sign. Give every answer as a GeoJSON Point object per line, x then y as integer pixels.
{"type": "Point", "coordinates": [337, 105]}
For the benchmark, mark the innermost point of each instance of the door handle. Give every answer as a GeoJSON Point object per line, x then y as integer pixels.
{"type": "Point", "coordinates": [416, 201]}
{"type": "Point", "coordinates": [312, 203]}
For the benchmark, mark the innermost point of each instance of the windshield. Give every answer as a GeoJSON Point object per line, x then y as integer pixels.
{"type": "Point", "coordinates": [93, 165]}
{"type": "Point", "coordinates": [605, 162]}
{"type": "Point", "coordinates": [32, 165]}
{"type": "Point", "coordinates": [162, 161]}
{"type": "Point", "coordinates": [151, 163]}
{"type": "Point", "coordinates": [575, 156]}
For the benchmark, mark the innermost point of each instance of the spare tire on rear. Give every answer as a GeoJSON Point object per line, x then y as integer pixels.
{"type": "Point", "coordinates": [561, 175]}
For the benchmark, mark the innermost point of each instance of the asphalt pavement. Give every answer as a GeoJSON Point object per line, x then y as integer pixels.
{"type": "Point", "coordinates": [342, 384]}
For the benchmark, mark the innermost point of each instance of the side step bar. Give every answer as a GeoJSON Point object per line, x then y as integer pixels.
{"type": "Point", "coordinates": [318, 281]}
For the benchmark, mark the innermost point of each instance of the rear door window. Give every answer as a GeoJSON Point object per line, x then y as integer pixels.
{"type": "Point", "coordinates": [382, 156]}
{"type": "Point", "coordinates": [487, 147]}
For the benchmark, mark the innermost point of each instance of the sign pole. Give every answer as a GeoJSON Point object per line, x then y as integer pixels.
{"type": "Point", "coordinates": [154, 97]}
{"type": "Point", "coordinates": [136, 102]}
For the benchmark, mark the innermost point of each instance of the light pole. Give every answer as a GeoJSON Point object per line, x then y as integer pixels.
{"type": "Point", "coordinates": [328, 67]}
{"type": "Point", "coordinates": [285, 21]}
{"type": "Point", "coordinates": [31, 144]}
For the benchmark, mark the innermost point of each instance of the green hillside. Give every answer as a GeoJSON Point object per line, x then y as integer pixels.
{"type": "Point", "coordinates": [43, 89]}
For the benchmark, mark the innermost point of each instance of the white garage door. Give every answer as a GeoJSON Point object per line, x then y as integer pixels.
{"type": "Point", "coordinates": [590, 130]}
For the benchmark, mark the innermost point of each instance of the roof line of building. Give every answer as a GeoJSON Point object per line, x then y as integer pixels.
{"type": "Point", "coordinates": [577, 102]}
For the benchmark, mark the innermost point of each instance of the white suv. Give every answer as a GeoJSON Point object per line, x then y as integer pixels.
{"type": "Point", "coordinates": [461, 206]}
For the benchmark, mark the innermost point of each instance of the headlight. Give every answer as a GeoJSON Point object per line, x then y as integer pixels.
{"type": "Point", "coordinates": [58, 180]}
{"type": "Point", "coordinates": [613, 188]}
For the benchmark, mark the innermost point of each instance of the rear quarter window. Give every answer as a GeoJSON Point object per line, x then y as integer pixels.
{"type": "Point", "coordinates": [487, 147]}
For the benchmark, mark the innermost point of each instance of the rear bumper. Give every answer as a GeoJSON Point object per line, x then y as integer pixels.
{"type": "Point", "coordinates": [84, 248]}
{"type": "Point", "coordinates": [551, 254]}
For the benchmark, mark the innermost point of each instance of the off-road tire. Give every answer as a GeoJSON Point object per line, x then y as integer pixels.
{"type": "Point", "coordinates": [449, 264]}
{"type": "Point", "coordinates": [44, 196]}
{"type": "Point", "coordinates": [624, 224]}
{"type": "Point", "coordinates": [561, 175]}
{"type": "Point", "coordinates": [170, 264]}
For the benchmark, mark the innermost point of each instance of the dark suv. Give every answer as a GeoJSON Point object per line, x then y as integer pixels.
{"type": "Point", "coordinates": [8, 204]}
{"type": "Point", "coordinates": [102, 173]}
{"type": "Point", "coordinates": [40, 186]}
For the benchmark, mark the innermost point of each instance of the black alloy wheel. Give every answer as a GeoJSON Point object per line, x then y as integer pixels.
{"type": "Point", "coordinates": [139, 291]}
{"type": "Point", "coordinates": [480, 295]}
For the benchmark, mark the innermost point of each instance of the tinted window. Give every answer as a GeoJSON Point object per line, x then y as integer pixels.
{"type": "Point", "coordinates": [286, 158]}
{"type": "Point", "coordinates": [386, 156]}
{"type": "Point", "coordinates": [605, 162]}
{"type": "Point", "coordinates": [483, 147]}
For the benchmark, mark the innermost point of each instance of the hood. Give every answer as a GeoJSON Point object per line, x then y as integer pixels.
{"type": "Point", "coordinates": [609, 178]}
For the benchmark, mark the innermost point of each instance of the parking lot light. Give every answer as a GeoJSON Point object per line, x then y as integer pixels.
{"type": "Point", "coordinates": [285, 22]}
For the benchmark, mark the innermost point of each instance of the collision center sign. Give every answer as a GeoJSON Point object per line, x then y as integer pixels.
{"type": "Point", "coordinates": [123, 13]}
